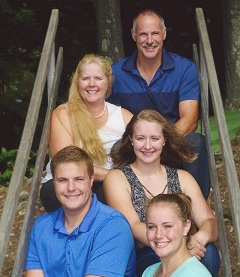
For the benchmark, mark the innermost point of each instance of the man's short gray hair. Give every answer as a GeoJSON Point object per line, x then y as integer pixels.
{"type": "Point", "coordinates": [148, 12]}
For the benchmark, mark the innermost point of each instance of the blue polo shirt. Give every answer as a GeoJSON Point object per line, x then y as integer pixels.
{"type": "Point", "coordinates": [176, 80]}
{"type": "Point", "coordinates": [101, 245]}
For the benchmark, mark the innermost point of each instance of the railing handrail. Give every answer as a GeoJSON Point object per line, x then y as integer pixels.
{"type": "Point", "coordinates": [206, 57]}
{"type": "Point", "coordinates": [20, 257]}
{"type": "Point", "coordinates": [211, 159]}
{"type": "Point", "coordinates": [11, 202]}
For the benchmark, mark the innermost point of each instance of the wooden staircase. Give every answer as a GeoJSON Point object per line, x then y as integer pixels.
{"type": "Point", "coordinates": [48, 78]}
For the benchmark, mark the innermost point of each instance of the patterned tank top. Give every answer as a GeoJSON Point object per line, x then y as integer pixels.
{"type": "Point", "coordinates": [138, 195]}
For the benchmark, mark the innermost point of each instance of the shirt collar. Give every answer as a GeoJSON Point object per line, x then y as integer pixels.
{"type": "Point", "coordinates": [87, 222]}
{"type": "Point", "coordinates": [167, 61]}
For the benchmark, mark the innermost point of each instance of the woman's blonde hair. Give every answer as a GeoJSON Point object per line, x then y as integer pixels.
{"type": "Point", "coordinates": [84, 131]}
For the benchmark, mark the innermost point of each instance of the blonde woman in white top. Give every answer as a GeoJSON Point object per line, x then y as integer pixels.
{"type": "Point", "coordinates": [87, 121]}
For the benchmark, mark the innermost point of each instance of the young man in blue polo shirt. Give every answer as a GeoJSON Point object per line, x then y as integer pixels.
{"type": "Point", "coordinates": [83, 237]}
{"type": "Point", "coordinates": [153, 78]}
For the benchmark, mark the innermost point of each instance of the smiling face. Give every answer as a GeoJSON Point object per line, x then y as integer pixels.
{"type": "Point", "coordinates": [165, 230]}
{"type": "Point", "coordinates": [149, 35]}
{"type": "Point", "coordinates": [92, 83]}
{"type": "Point", "coordinates": [72, 185]}
{"type": "Point", "coordinates": [147, 140]}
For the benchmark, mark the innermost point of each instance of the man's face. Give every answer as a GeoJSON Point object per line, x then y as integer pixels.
{"type": "Point", "coordinates": [73, 186]}
{"type": "Point", "coordinates": [149, 36]}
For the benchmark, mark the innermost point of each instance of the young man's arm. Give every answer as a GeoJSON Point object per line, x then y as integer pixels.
{"type": "Point", "coordinates": [34, 273]}
{"type": "Point", "coordinates": [33, 266]}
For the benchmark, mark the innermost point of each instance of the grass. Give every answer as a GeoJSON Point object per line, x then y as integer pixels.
{"type": "Point", "coordinates": [233, 125]}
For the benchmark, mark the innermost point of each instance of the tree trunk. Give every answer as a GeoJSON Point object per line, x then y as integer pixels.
{"type": "Point", "coordinates": [109, 29]}
{"type": "Point", "coordinates": [231, 38]}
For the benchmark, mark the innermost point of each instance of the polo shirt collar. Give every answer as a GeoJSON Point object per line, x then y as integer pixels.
{"type": "Point", "coordinates": [87, 222]}
{"type": "Point", "coordinates": [167, 61]}
{"type": "Point", "coordinates": [130, 63]}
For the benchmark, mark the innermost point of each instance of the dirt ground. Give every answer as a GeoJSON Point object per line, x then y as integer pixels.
{"type": "Point", "coordinates": [14, 237]}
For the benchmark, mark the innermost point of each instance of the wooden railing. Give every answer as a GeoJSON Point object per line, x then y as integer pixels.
{"type": "Point", "coordinates": [46, 71]}
{"type": "Point", "coordinates": [209, 83]}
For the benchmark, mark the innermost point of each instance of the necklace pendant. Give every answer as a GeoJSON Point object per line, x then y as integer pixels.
{"type": "Point", "coordinates": [102, 113]}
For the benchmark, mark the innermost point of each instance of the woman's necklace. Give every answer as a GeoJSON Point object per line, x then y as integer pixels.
{"type": "Point", "coordinates": [150, 191]}
{"type": "Point", "coordinates": [102, 113]}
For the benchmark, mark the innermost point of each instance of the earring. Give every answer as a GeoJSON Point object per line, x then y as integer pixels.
{"type": "Point", "coordinates": [185, 234]}
{"type": "Point", "coordinates": [163, 144]}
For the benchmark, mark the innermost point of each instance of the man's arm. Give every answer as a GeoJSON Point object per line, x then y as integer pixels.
{"type": "Point", "coordinates": [33, 266]}
{"type": "Point", "coordinates": [34, 273]}
{"type": "Point", "coordinates": [188, 111]}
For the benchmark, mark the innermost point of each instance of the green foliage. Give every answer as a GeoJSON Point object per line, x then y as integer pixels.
{"type": "Point", "coordinates": [18, 79]}
{"type": "Point", "coordinates": [233, 125]}
{"type": "Point", "coordinates": [21, 43]}
{"type": "Point", "coordinates": [7, 160]}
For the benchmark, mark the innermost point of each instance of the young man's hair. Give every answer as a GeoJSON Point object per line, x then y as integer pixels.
{"type": "Point", "coordinates": [72, 154]}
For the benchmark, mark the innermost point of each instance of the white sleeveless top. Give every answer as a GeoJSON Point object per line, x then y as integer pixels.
{"type": "Point", "coordinates": [109, 134]}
